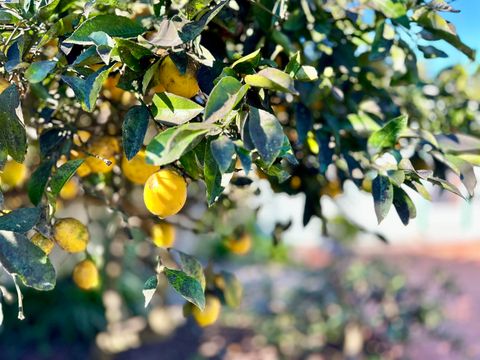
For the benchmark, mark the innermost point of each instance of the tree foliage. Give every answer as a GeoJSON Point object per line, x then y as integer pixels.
{"type": "Point", "coordinates": [310, 94]}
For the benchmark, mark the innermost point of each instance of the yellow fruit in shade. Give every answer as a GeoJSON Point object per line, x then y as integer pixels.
{"type": "Point", "coordinates": [367, 184]}
{"type": "Point", "coordinates": [83, 170]}
{"type": "Point", "coordinates": [43, 243]}
{"type": "Point", "coordinates": [71, 235]}
{"type": "Point", "coordinates": [241, 245]}
{"type": "Point", "coordinates": [112, 92]}
{"type": "Point", "coordinates": [3, 84]}
{"type": "Point", "coordinates": [165, 193]}
{"type": "Point", "coordinates": [295, 182]}
{"type": "Point", "coordinates": [332, 189]}
{"type": "Point", "coordinates": [14, 174]}
{"type": "Point", "coordinates": [106, 147]}
{"type": "Point", "coordinates": [210, 314]}
{"type": "Point", "coordinates": [137, 170]}
{"type": "Point", "coordinates": [85, 275]}
{"type": "Point", "coordinates": [169, 76]}
{"type": "Point", "coordinates": [69, 190]}
{"type": "Point", "coordinates": [81, 137]}
{"type": "Point", "coordinates": [163, 235]}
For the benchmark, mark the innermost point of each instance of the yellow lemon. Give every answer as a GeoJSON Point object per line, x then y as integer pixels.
{"type": "Point", "coordinates": [83, 170]}
{"type": "Point", "coordinates": [211, 312]}
{"type": "Point", "coordinates": [163, 235]}
{"type": "Point", "coordinates": [295, 182]}
{"type": "Point", "coordinates": [71, 235]}
{"type": "Point", "coordinates": [165, 193]}
{"type": "Point", "coordinates": [85, 275]}
{"type": "Point", "coordinates": [106, 147]}
{"type": "Point", "coordinates": [137, 170]}
{"type": "Point", "coordinates": [240, 246]}
{"type": "Point", "coordinates": [332, 189]}
{"type": "Point", "coordinates": [43, 243]}
{"type": "Point", "coordinates": [169, 76]}
{"type": "Point", "coordinates": [69, 190]}
{"type": "Point", "coordinates": [3, 84]}
{"type": "Point", "coordinates": [14, 173]}
{"type": "Point", "coordinates": [81, 137]}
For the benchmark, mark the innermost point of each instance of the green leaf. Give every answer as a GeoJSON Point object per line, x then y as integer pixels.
{"type": "Point", "coordinates": [388, 135]}
{"type": "Point", "coordinates": [223, 151]}
{"type": "Point", "coordinates": [171, 144]}
{"type": "Point", "coordinates": [63, 174]}
{"type": "Point", "coordinates": [233, 289]}
{"type": "Point", "coordinates": [191, 266]}
{"type": "Point", "coordinates": [298, 71]}
{"type": "Point", "coordinates": [266, 133]}
{"type": "Point", "coordinates": [39, 70]}
{"type": "Point", "coordinates": [38, 181]}
{"type": "Point", "coordinates": [20, 257]}
{"type": "Point", "coordinates": [134, 129]}
{"type": "Point", "coordinates": [88, 89]}
{"type": "Point", "coordinates": [362, 123]}
{"type": "Point", "coordinates": [172, 109]}
{"type": "Point", "coordinates": [212, 177]}
{"type": "Point", "coordinates": [245, 157]}
{"type": "Point", "coordinates": [404, 205]}
{"type": "Point", "coordinates": [13, 138]}
{"type": "Point", "coordinates": [130, 53]}
{"type": "Point", "coordinates": [224, 97]}
{"type": "Point", "coordinates": [464, 170]}
{"type": "Point", "coordinates": [20, 220]}
{"type": "Point", "coordinates": [272, 79]}
{"type": "Point", "coordinates": [446, 185]}
{"type": "Point", "coordinates": [431, 52]}
{"type": "Point", "coordinates": [440, 28]}
{"type": "Point", "coordinates": [149, 75]}
{"type": "Point", "coordinates": [382, 191]}
{"type": "Point", "coordinates": [194, 28]}
{"type": "Point", "coordinates": [149, 288]}
{"type": "Point", "coordinates": [113, 25]}
{"type": "Point", "coordinates": [248, 63]}
{"type": "Point", "coordinates": [188, 287]}
{"type": "Point", "coordinates": [389, 8]}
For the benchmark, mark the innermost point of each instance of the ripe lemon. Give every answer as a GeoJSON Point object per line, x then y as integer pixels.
{"type": "Point", "coordinates": [163, 235]}
{"type": "Point", "coordinates": [211, 312]}
{"type": "Point", "coordinates": [165, 193]}
{"type": "Point", "coordinates": [114, 93]}
{"type": "Point", "coordinates": [71, 235]}
{"type": "Point", "coordinates": [137, 170]}
{"type": "Point", "coordinates": [169, 76]}
{"type": "Point", "coordinates": [81, 137]}
{"type": "Point", "coordinates": [241, 245]}
{"type": "Point", "coordinates": [85, 275]}
{"type": "Point", "coordinates": [14, 174]}
{"type": "Point", "coordinates": [106, 147]}
{"type": "Point", "coordinates": [69, 190]}
{"type": "Point", "coordinates": [83, 170]}
{"type": "Point", "coordinates": [43, 243]}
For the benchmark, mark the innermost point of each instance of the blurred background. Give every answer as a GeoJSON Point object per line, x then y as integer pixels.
{"type": "Point", "coordinates": [388, 292]}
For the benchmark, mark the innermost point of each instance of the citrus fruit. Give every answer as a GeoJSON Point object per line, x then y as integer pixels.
{"type": "Point", "coordinates": [81, 137]}
{"type": "Point", "coordinates": [3, 84]}
{"type": "Point", "coordinates": [137, 170]}
{"type": "Point", "coordinates": [71, 235]}
{"type": "Point", "coordinates": [14, 173]}
{"type": "Point", "coordinates": [85, 275]}
{"type": "Point", "coordinates": [69, 190]}
{"type": "Point", "coordinates": [165, 193]}
{"type": "Point", "coordinates": [106, 147]}
{"type": "Point", "coordinates": [114, 93]}
{"type": "Point", "coordinates": [241, 245]}
{"type": "Point", "coordinates": [83, 170]}
{"type": "Point", "coordinates": [43, 243]}
{"type": "Point", "coordinates": [211, 312]}
{"type": "Point", "coordinates": [163, 235]}
{"type": "Point", "coordinates": [169, 76]}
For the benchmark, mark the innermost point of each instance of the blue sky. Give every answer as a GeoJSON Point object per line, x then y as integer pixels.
{"type": "Point", "coordinates": [467, 23]}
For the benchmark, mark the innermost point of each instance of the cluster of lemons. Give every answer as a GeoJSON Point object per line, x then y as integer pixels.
{"type": "Point", "coordinates": [165, 190]}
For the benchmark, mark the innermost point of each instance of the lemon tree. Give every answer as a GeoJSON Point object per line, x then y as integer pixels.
{"type": "Point", "coordinates": [105, 98]}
